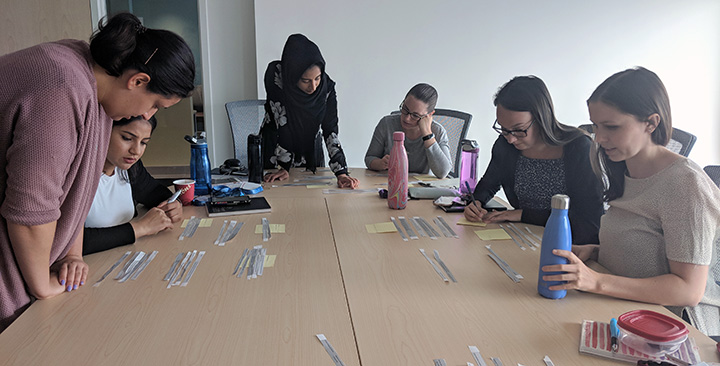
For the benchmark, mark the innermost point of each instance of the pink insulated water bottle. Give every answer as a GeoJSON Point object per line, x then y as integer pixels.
{"type": "Point", "coordinates": [398, 173]}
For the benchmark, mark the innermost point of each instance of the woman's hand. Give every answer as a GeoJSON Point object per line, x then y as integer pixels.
{"type": "Point", "coordinates": [172, 210]}
{"type": "Point", "coordinates": [380, 164]}
{"type": "Point", "coordinates": [153, 222]}
{"type": "Point", "coordinates": [500, 216]}
{"type": "Point", "coordinates": [346, 181]}
{"type": "Point", "coordinates": [473, 212]}
{"type": "Point", "coordinates": [425, 125]}
{"type": "Point", "coordinates": [281, 174]}
{"type": "Point", "coordinates": [577, 275]}
{"type": "Point", "coordinates": [71, 272]}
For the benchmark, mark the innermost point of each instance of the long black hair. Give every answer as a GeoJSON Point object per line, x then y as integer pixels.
{"type": "Point", "coordinates": [529, 94]}
{"type": "Point", "coordinates": [640, 93]}
{"type": "Point", "coordinates": [125, 44]}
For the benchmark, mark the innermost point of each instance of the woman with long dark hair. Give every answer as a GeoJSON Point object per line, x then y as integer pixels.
{"type": "Point", "coordinates": [536, 157]}
{"type": "Point", "coordinates": [300, 111]}
{"type": "Point", "coordinates": [660, 236]}
{"type": "Point", "coordinates": [58, 101]}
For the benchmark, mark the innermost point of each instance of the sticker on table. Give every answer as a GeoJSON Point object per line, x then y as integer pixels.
{"type": "Point", "coordinates": [274, 228]}
{"type": "Point", "coordinates": [492, 234]}
{"type": "Point", "coordinates": [381, 227]}
{"type": "Point", "coordinates": [206, 223]}
{"type": "Point", "coordinates": [269, 260]}
{"type": "Point", "coordinates": [464, 221]}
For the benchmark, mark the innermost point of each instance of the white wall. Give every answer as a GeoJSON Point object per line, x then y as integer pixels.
{"type": "Point", "coordinates": [376, 50]}
{"type": "Point", "coordinates": [227, 38]}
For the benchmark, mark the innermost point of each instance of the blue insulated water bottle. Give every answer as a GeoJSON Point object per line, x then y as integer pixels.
{"type": "Point", "coordinates": [200, 167]}
{"type": "Point", "coordinates": [557, 235]}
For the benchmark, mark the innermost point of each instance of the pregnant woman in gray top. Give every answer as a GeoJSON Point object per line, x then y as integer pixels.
{"type": "Point", "coordinates": [426, 141]}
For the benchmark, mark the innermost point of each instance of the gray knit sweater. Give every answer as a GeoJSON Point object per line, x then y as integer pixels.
{"type": "Point", "coordinates": [420, 160]}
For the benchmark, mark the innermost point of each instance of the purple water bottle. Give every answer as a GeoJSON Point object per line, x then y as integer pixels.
{"type": "Point", "coordinates": [557, 235]}
{"type": "Point", "coordinates": [398, 173]}
{"type": "Point", "coordinates": [468, 165]}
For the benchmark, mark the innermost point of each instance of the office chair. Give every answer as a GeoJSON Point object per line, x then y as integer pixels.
{"type": "Point", "coordinates": [245, 117]}
{"type": "Point", "coordinates": [456, 125]}
{"type": "Point", "coordinates": [681, 142]}
{"type": "Point", "coordinates": [714, 172]}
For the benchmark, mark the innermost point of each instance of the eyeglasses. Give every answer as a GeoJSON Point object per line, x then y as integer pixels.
{"type": "Point", "coordinates": [517, 133]}
{"type": "Point", "coordinates": [415, 116]}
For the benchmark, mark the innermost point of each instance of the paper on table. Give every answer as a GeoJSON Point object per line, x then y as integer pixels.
{"type": "Point", "coordinates": [185, 222]}
{"type": "Point", "coordinates": [206, 223]}
{"type": "Point", "coordinates": [313, 186]}
{"type": "Point", "coordinates": [423, 177]}
{"type": "Point", "coordinates": [464, 221]}
{"type": "Point", "coordinates": [274, 228]}
{"type": "Point", "coordinates": [269, 260]}
{"type": "Point", "coordinates": [381, 227]}
{"type": "Point", "coordinates": [492, 234]}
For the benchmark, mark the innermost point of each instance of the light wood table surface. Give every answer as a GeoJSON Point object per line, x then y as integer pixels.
{"type": "Point", "coordinates": [374, 296]}
{"type": "Point", "coordinates": [404, 314]}
{"type": "Point", "coordinates": [217, 319]}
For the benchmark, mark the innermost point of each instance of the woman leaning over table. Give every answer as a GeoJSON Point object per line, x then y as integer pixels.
{"type": "Point", "coordinates": [124, 181]}
{"type": "Point", "coordinates": [426, 141]}
{"type": "Point", "coordinates": [536, 157]}
{"type": "Point", "coordinates": [58, 101]}
{"type": "Point", "coordinates": [301, 100]}
{"type": "Point", "coordinates": [659, 238]}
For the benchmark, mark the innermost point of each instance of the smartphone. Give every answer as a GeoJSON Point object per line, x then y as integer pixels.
{"type": "Point", "coordinates": [493, 205]}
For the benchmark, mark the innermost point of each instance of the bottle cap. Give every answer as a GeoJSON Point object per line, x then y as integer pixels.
{"type": "Point", "coordinates": [560, 201]}
{"type": "Point", "coordinates": [398, 136]}
{"type": "Point", "coordinates": [469, 145]}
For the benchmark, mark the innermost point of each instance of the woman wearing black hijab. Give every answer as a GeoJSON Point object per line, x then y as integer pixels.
{"type": "Point", "coordinates": [301, 100]}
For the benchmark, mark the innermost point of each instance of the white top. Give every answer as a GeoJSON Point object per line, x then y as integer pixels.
{"type": "Point", "coordinates": [672, 215]}
{"type": "Point", "coordinates": [113, 204]}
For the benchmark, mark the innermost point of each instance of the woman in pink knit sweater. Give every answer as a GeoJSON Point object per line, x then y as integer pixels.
{"type": "Point", "coordinates": [58, 101]}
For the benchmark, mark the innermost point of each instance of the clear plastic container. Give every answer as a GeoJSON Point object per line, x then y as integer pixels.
{"type": "Point", "coordinates": [651, 333]}
{"type": "Point", "coordinates": [652, 348]}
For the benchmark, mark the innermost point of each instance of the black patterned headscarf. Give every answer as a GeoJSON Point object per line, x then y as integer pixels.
{"type": "Point", "coordinates": [304, 112]}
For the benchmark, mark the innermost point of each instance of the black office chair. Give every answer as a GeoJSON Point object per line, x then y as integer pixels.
{"type": "Point", "coordinates": [246, 117]}
{"type": "Point", "coordinates": [714, 172]}
{"type": "Point", "coordinates": [456, 124]}
{"type": "Point", "coordinates": [681, 142]}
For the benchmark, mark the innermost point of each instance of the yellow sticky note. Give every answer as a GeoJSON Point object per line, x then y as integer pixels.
{"type": "Point", "coordinates": [425, 177]}
{"type": "Point", "coordinates": [185, 222]}
{"type": "Point", "coordinates": [370, 228]}
{"type": "Point", "coordinates": [274, 228]}
{"type": "Point", "coordinates": [385, 227]}
{"type": "Point", "coordinates": [205, 222]}
{"type": "Point", "coordinates": [464, 221]}
{"type": "Point", "coordinates": [493, 234]}
{"type": "Point", "coordinates": [311, 186]}
{"type": "Point", "coordinates": [269, 261]}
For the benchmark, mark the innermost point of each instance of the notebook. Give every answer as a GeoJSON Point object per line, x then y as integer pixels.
{"type": "Point", "coordinates": [595, 340]}
{"type": "Point", "coordinates": [256, 205]}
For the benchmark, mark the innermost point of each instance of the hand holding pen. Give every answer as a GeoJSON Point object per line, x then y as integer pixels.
{"type": "Point", "coordinates": [172, 207]}
{"type": "Point", "coordinates": [473, 211]}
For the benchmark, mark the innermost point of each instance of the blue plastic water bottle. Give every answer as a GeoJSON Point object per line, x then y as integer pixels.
{"type": "Point", "coordinates": [200, 167]}
{"type": "Point", "coordinates": [557, 235]}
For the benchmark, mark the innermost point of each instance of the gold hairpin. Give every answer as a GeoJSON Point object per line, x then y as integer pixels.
{"type": "Point", "coordinates": [153, 54]}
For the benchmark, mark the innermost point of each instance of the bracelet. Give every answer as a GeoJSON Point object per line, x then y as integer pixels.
{"type": "Point", "coordinates": [428, 137]}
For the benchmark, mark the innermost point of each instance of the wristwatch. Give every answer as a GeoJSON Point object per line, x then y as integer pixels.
{"type": "Point", "coordinates": [428, 137]}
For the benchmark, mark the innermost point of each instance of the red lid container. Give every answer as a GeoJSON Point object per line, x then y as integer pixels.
{"type": "Point", "coordinates": [653, 326]}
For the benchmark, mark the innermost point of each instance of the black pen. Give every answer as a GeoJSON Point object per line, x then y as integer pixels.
{"type": "Point", "coordinates": [470, 192]}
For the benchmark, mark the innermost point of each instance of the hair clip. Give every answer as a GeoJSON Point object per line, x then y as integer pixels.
{"type": "Point", "coordinates": [140, 29]}
{"type": "Point", "coordinates": [148, 59]}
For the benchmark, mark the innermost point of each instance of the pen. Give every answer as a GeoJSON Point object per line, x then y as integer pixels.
{"type": "Point", "coordinates": [175, 196]}
{"type": "Point", "coordinates": [470, 192]}
{"type": "Point", "coordinates": [614, 334]}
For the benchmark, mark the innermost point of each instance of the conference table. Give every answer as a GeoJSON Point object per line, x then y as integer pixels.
{"type": "Point", "coordinates": [374, 296]}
